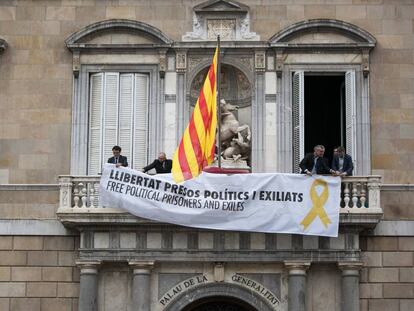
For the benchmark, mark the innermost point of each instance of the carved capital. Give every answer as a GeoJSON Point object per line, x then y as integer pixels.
{"type": "Point", "coordinates": [350, 268]}
{"type": "Point", "coordinates": [280, 57]}
{"type": "Point", "coordinates": [365, 62]}
{"type": "Point", "coordinates": [181, 61]}
{"type": "Point", "coordinates": [76, 63]}
{"type": "Point", "coordinates": [141, 267]}
{"type": "Point", "coordinates": [89, 266]}
{"type": "Point", "coordinates": [162, 56]}
{"type": "Point", "coordinates": [297, 267]}
{"type": "Point", "coordinates": [260, 61]}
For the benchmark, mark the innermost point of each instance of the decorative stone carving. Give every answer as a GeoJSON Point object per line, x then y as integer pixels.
{"type": "Point", "coordinates": [235, 138]}
{"type": "Point", "coordinates": [162, 62]}
{"type": "Point", "coordinates": [234, 84]}
{"type": "Point", "coordinates": [247, 61]}
{"type": "Point", "coordinates": [230, 20]}
{"type": "Point", "coordinates": [76, 63]}
{"type": "Point", "coordinates": [225, 28]}
{"type": "Point", "coordinates": [197, 33]}
{"type": "Point", "coordinates": [181, 61]}
{"type": "Point", "coordinates": [245, 29]}
{"type": "Point", "coordinates": [259, 59]}
{"type": "Point", "coordinates": [194, 61]}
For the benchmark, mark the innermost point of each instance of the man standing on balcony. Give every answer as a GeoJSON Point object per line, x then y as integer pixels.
{"type": "Point", "coordinates": [315, 163]}
{"type": "Point", "coordinates": [118, 159]}
{"type": "Point", "coordinates": [162, 165]}
{"type": "Point", "coordinates": [342, 163]}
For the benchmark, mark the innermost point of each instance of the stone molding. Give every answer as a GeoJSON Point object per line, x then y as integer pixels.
{"type": "Point", "coordinates": [88, 266]}
{"type": "Point", "coordinates": [397, 187]}
{"type": "Point", "coordinates": [72, 42]}
{"type": "Point", "coordinates": [141, 267]}
{"type": "Point", "coordinates": [29, 187]}
{"type": "Point", "coordinates": [218, 289]}
{"type": "Point", "coordinates": [350, 268]}
{"type": "Point", "coordinates": [297, 267]}
{"type": "Point", "coordinates": [229, 19]}
{"type": "Point", "coordinates": [363, 39]}
{"type": "Point", "coordinates": [3, 45]}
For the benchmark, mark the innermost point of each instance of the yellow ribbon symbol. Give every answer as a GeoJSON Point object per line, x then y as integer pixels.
{"type": "Point", "coordinates": [318, 203]}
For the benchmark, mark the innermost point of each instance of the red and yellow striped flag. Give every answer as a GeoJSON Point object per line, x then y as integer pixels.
{"type": "Point", "coordinates": [197, 146]}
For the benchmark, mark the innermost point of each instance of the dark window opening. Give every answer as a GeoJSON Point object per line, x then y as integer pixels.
{"type": "Point", "coordinates": [324, 110]}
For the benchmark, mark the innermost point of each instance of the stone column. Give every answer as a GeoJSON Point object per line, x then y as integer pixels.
{"type": "Point", "coordinates": [350, 285]}
{"type": "Point", "coordinates": [88, 292]}
{"type": "Point", "coordinates": [297, 285]}
{"type": "Point", "coordinates": [141, 286]}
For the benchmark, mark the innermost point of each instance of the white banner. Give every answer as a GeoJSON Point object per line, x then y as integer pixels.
{"type": "Point", "coordinates": [265, 202]}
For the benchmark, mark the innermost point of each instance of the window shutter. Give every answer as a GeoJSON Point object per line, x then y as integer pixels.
{"type": "Point", "coordinates": [350, 114]}
{"type": "Point", "coordinates": [298, 120]}
{"type": "Point", "coordinates": [141, 121]}
{"type": "Point", "coordinates": [95, 121]}
{"type": "Point", "coordinates": [110, 122]}
{"type": "Point", "coordinates": [126, 96]}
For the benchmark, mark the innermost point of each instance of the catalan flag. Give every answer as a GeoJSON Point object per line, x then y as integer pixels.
{"type": "Point", "coordinates": [197, 146]}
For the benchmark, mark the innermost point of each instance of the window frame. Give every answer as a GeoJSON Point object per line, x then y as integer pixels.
{"type": "Point", "coordinates": [362, 116]}
{"type": "Point", "coordinates": [81, 112]}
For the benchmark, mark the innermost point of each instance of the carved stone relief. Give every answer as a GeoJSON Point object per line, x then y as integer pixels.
{"type": "Point", "coordinates": [225, 28]}
{"type": "Point", "coordinates": [228, 19]}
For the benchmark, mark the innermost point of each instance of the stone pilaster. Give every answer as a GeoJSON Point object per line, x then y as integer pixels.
{"type": "Point", "coordinates": [88, 292]}
{"type": "Point", "coordinates": [350, 285]}
{"type": "Point", "coordinates": [297, 285]}
{"type": "Point", "coordinates": [141, 286]}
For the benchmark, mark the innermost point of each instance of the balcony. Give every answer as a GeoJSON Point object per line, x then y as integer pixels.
{"type": "Point", "coordinates": [79, 203]}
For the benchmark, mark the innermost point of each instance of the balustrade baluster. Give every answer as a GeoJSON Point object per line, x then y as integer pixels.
{"type": "Point", "coordinates": [84, 193]}
{"type": "Point", "coordinates": [355, 195]}
{"type": "Point", "coordinates": [91, 187]}
{"type": "Point", "coordinates": [346, 195]}
{"type": "Point", "coordinates": [363, 195]}
{"type": "Point", "coordinates": [76, 197]}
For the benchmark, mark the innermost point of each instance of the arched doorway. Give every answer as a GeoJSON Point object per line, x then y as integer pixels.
{"type": "Point", "coordinates": [219, 297]}
{"type": "Point", "coordinates": [219, 304]}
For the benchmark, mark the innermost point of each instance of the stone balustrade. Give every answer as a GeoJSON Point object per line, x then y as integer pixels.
{"type": "Point", "coordinates": [359, 194]}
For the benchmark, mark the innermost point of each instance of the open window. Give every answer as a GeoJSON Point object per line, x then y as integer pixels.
{"type": "Point", "coordinates": [323, 113]}
{"type": "Point", "coordinates": [322, 67]}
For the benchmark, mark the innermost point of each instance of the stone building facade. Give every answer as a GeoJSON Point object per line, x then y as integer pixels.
{"type": "Point", "coordinates": [334, 72]}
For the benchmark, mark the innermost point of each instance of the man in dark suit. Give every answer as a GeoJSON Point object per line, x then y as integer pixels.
{"type": "Point", "coordinates": [315, 163]}
{"type": "Point", "coordinates": [342, 163]}
{"type": "Point", "coordinates": [118, 159]}
{"type": "Point", "coordinates": [162, 165]}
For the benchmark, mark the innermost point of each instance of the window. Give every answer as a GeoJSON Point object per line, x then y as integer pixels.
{"type": "Point", "coordinates": [118, 115]}
{"type": "Point", "coordinates": [323, 112]}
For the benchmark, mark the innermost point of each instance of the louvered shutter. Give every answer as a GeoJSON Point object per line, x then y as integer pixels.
{"type": "Point", "coordinates": [95, 122]}
{"type": "Point", "coordinates": [350, 115]}
{"type": "Point", "coordinates": [110, 121]}
{"type": "Point", "coordinates": [298, 120]}
{"type": "Point", "coordinates": [126, 100]}
{"type": "Point", "coordinates": [140, 121]}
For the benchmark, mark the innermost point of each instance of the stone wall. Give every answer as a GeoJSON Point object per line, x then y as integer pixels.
{"type": "Point", "coordinates": [387, 279]}
{"type": "Point", "coordinates": [36, 77]}
{"type": "Point", "coordinates": [38, 273]}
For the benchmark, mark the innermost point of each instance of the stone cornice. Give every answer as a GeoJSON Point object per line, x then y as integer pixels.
{"type": "Point", "coordinates": [161, 40]}
{"type": "Point", "coordinates": [221, 6]}
{"type": "Point", "coordinates": [362, 38]}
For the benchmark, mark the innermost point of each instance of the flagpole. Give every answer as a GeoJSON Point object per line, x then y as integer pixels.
{"type": "Point", "coordinates": [218, 101]}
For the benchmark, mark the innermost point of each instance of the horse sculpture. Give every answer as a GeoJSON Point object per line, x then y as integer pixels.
{"type": "Point", "coordinates": [235, 139]}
